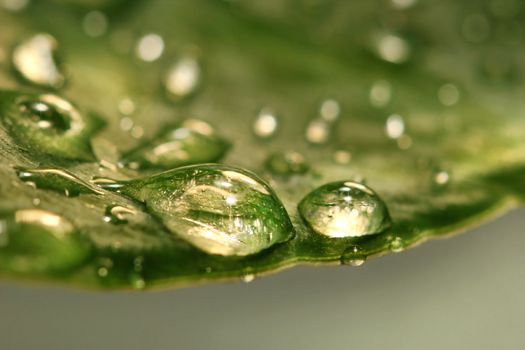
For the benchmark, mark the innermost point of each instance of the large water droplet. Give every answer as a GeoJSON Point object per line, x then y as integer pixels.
{"type": "Point", "coordinates": [193, 141]}
{"type": "Point", "coordinates": [48, 124]}
{"type": "Point", "coordinates": [183, 78]}
{"type": "Point", "coordinates": [35, 61]}
{"type": "Point", "coordinates": [287, 163]}
{"type": "Point", "coordinates": [56, 179]}
{"type": "Point", "coordinates": [345, 209]}
{"type": "Point", "coordinates": [219, 209]}
{"type": "Point", "coordinates": [39, 241]}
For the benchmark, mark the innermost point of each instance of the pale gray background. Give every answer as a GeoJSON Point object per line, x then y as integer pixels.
{"type": "Point", "coordinates": [466, 292]}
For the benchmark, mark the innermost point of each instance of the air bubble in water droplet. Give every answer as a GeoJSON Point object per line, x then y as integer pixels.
{"type": "Point", "coordinates": [56, 179]}
{"type": "Point", "coordinates": [345, 209]}
{"type": "Point", "coordinates": [35, 61]}
{"type": "Point", "coordinates": [95, 24]}
{"type": "Point", "coordinates": [395, 126]}
{"type": "Point", "coordinates": [330, 110]}
{"type": "Point", "coordinates": [39, 241]}
{"type": "Point", "coordinates": [183, 78]}
{"type": "Point", "coordinates": [266, 123]}
{"type": "Point", "coordinates": [150, 47]}
{"type": "Point", "coordinates": [286, 163]}
{"type": "Point", "coordinates": [448, 94]}
{"type": "Point", "coordinates": [191, 142]}
{"type": "Point", "coordinates": [380, 93]}
{"type": "Point", "coordinates": [392, 48]}
{"type": "Point", "coordinates": [218, 209]}
{"type": "Point", "coordinates": [318, 131]}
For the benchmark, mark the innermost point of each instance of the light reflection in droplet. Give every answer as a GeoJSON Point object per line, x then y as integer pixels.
{"type": "Point", "coordinates": [183, 77]}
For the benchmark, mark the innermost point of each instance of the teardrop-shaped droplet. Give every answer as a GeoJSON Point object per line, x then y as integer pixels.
{"type": "Point", "coordinates": [192, 142]}
{"type": "Point", "coordinates": [56, 179]}
{"type": "Point", "coordinates": [345, 209]}
{"type": "Point", "coordinates": [35, 61]}
{"type": "Point", "coordinates": [48, 125]}
{"type": "Point", "coordinates": [38, 241]}
{"type": "Point", "coordinates": [287, 163]}
{"type": "Point", "coordinates": [182, 78]}
{"type": "Point", "coordinates": [219, 209]}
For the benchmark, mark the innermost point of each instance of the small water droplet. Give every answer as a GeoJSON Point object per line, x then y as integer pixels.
{"type": "Point", "coordinates": [342, 157]}
{"type": "Point", "coordinates": [404, 142]}
{"type": "Point", "coordinates": [248, 278]}
{"type": "Point", "coordinates": [39, 241]}
{"type": "Point", "coordinates": [118, 214]}
{"type": "Point", "coordinates": [95, 24]}
{"type": "Point", "coordinates": [396, 245]}
{"type": "Point", "coordinates": [286, 163]}
{"type": "Point", "coordinates": [392, 48]}
{"type": "Point", "coordinates": [441, 177]}
{"type": "Point", "coordinates": [218, 209]}
{"type": "Point", "coordinates": [191, 142]}
{"type": "Point", "coordinates": [183, 78]}
{"type": "Point", "coordinates": [353, 256]}
{"type": "Point", "coordinates": [56, 179]}
{"type": "Point", "coordinates": [150, 47]}
{"type": "Point", "coordinates": [380, 93]}
{"type": "Point", "coordinates": [266, 123]}
{"type": "Point", "coordinates": [126, 106]}
{"type": "Point", "coordinates": [330, 110]}
{"type": "Point", "coordinates": [318, 131]}
{"type": "Point", "coordinates": [395, 126]}
{"type": "Point", "coordinates": [345, 209]}
{"type": "Point", "coordinates": [448, 94]}
{"type": "Point", "coordinates": [35, 61]}
{"type": "Point", "coordinates": [14, 5]}
{"type": "Point", "coordinates": [103, 266]}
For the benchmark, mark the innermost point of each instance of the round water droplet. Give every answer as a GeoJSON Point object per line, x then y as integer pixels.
{"type": "Point", "coordinates": [318, 131]}
{"type": "Point", "coordinates": [218, 209]}
{"type": "Point", "coordinates": [150, 47]}
{"type": "Point", "coordinates": [266, 123]}
{"type": "Point", "coordinates": [118, 214]}
{"type": "Point", "coordinates": [286, 163]}
{"type": "Point", "coordinates": [248, 278]}
{"type": "Point", "coordinates": [95, 24]}
{"type": "Point", "coordinates": [448, 95]}
{"type": "Point", "coordinates": [353, 257]}
{"type": "Point", "coordinates": [392, 48]}
{"type": "Point", "coordinates": [48, 124]}
{"type": "Point", "coordinates": [345, 209]}
{"type": "Point", "coordinates": [183, 78]}
{"type": "Point", "coordinates": [330, 110]}
{"type": "Point", "coordinates": [55, 179]}
{"type": "Point", "coordinates": [380, 93]}
{"type": "Point", "coordinates": [193, 141]}
{"type": "Point", "coordinates": [342, 157]}
{"type": "Point", "coordinates": [35, 61]}
{"type": "Point", "coordinates": [36, 241]}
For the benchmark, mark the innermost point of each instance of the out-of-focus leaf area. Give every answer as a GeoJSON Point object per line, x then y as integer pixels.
{"type": "Point", "coordinates": [338, 130]}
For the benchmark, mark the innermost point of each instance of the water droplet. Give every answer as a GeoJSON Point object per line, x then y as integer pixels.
{"type": "Point", "coordinates": [55, 179]}
{"type": "Point", "coordinates": [126, 124]}
{"type": "Point", "coordinates": [39, 241]}
{"type": "Point", "coordinates": [266, 123]}
{"type": "Point", "coordinates": [118, 214]}
{"type": "Point", "coordinates": [48, 124]}
{"type": "Point", "coordinates": [441, 177]}
{"type": "Point", "coordinates": [395, 126]}
{"type": "Point", "coordinates": [126, 106]}
{"type": "Point", "coordinates": [404, 142]}
{"type": "Point", "coordinates": [318, 131]}
{"type": "Point", "coordinates": [345, 209]}
{"type": "Point", "coordinates": [392, 48]}
{"type": "Point", "coordinates": [353, 256]}
{"type": "Point", "coordinates": [448, 94]}
{"type": "Point", "coordinates": [248, 278]}
{"type": "Point", "coordinates": [183, 78]}
{"type": "Point", "coordinates": [35, 61]}
{"type": "Point", "coordinates": [193, 141]}
{"type": "Point", "coordinates": [342, 157]}
{"type": "Point", "coordinates": [330, 110]}
{"type": "Point", "coordinates": [396, 245]}
{"type": "Point", "coordinates": [219, 209]}
{"type": "Point", "coordinates": [287, 163]}
{"type": "Point", "coordinates": [380, 93]}
{"type": "Point", "coordinates": [95, 24]}
{"type": "Point", "coordinates": [150, 47]}
{"type": "Point", "coordinates": [137, 281]}
{"type": "Point", "coordinates": [475, 28]}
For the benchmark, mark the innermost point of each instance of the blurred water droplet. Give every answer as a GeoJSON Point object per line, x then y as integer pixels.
{"type": "Point", "coordinates": [318, 131]}
{"type": "Point", "coordinates": [150, 47]}
{"type": "Point", "coordinates": [404, 142]}
{"type": "Point", "coordinates": [286, 163]}
{"type": "Point", "coordinates": [35, 61]}
{"type": "Point", "coordinates": [342, 157]}
{"type": "Point", "coordinates": [345, 209]}
{"type": "Point", "coordinates": [183, 78]}
{"type": "Point", "coordinates": [126, 124]}
{"type": "Point", "coordinates": [395, 126]}
{"type": "Point", "coordinates": [380, 93]}
{"type": "Point", "coordinates": [392, 48]}
{"type": "Point", "coordinates": [126, 106]}
{"type": "Point", "coordinates": [396, 245]}
{"type": "Point", "coordinates": [330, 110]}
{"type": "Point", "coordinates": [441, 177]}
{"type": "Point", "coordinates": [218, 209]}
{"type": "Point", "coordinates": [103, 266]}
{"type": "Point", "coordinates": [95, 24]}
{"type": "Point", "coordinates": [448, 94]}
{"type": "Point", "coordinates": [265, 126]}
{"type": "Point", "coordinates": [191, 142]}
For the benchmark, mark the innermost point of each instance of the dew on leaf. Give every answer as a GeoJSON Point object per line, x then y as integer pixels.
{"type": "Point", "coordinates": [35, 61]}
{"type": "Point", "coordinates": [191, 142]}
{"type": "Point", "coordinates": [39, 241]}
{"type": "Point", "coordinates": [182, 78]}
{"type": "Point", "coordinates": [345, 209]}
{"type": "Point", "coordinates": [266, 123]}
{"type": "Point", "coordinates": [286, 163]}
{"type": "Point", "coordinates": [318, 131]}
{"type": "Point", "coordinates": [56, 179]}
{"type": "Point", "coordinates": [219, 209]}
{"type": "Point", "coordinates": [392, 48]}
{"type": "Point", "coordinates": [150, 47]}
{"type": "Point", "coordinates": [395, 126]}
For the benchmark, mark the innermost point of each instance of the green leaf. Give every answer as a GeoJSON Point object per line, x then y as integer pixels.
{"type": "Point", "coordinates": [416, 102]}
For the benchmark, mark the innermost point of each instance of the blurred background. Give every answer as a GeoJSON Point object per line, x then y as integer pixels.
{"type": "Point", "coordinates": [461, 293]}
